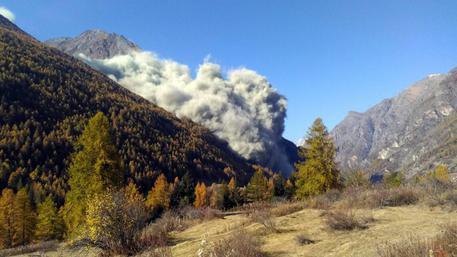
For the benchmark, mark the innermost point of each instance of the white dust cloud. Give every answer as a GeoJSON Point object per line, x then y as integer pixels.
{"type": "Point", "coordinates": [7, 13]}
{"type": "Point", "coordinates": [242, 108]}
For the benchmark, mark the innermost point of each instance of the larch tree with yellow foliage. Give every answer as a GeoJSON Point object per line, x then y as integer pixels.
{"type": "Point", "coordinates": [95, 167]}
{"type": "Point", "coordinates": [159, 197]}
{"type": "Point", "coordinates": [49, 224]}
{"type": "Point", "coordinates": [200, 195]}
{"type": "Point", "coordinates": [440, 174]}
{"type": "Point", "coordinates": [233, 193]}
{"type": "Point", "coordinates": [132, 193]}
{"type": "Point", "coordinates": [318, 172]}
{"type": "Point", "coordinates": [6, 218]}
{"type": "Point", "coordinates": [24, 218]}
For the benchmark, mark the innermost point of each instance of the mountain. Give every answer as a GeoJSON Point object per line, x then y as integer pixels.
{"type": "Point", "coordinates": [94, 44]}
{"type": "Point", "coordinates": [258, 141]}
{"type": "Point", "coordinates": [413, 131]}
{"type": "Point", "coordinates": [48, 96]}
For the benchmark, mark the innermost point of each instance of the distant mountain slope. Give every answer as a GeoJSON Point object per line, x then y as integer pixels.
{"type": "Point", "coordinates": [94, 44]}
{"type": "Point", "coordinates": [257, 137]}
{"type": "Point", "coordinates": [46, 99]}
{"type": "Point", "coordinates": [414, 131]}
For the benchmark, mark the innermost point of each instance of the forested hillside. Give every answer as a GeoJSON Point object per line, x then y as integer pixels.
{"type": "Point", "coordinates": [46, 99]}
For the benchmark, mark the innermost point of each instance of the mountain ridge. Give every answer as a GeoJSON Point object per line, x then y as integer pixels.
{"type": "Point", "coordinates": [82, 45]}
{"type": "Point", "coordinates": [94, 43]}
{"type": "Point", "coordinates": [395, 133]}
{"type": "Point", "coordinates": [48, 96]}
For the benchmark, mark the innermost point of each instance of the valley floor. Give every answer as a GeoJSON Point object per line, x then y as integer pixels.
{"type": "Point", "coordinates": [390, 224]}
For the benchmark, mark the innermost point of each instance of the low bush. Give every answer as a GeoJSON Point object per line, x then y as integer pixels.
{"type": "Point", "coordinates": [191, 213]}
{"type": "Point", "coordinates": [238, 244]}
{"type": "Point", "coordinates": [172, 221]}
{"type": "Point", "coordinates": [323, 201]}
{"type": "Point", "coordinates": [378, 197]}
{"type": "Point", "coordinates": [447, 198]}
{"type": "Point", "coordinates": [114, 222]}
{"type": "Point", "coordinates": [401, 196]}
{"type": "Point", "coordinates": [346, 220]}
{"type": "Point", "coordinates": [152, 237]}
{"type": "Point", "coordinates": [265, 218]}
{"type": "Point", "coordinates": [285, 208]}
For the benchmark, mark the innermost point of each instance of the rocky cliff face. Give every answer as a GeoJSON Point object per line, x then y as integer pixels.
{"type": "Point", "coordinates": [413, 131]}
{"type": "Point", "coordinates": [94, 44]}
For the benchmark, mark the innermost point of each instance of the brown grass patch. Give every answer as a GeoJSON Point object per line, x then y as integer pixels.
{"type": "Point", "coordinates": [286, 208]}
{"type": "Point", "coordinates": [39, 247]}
{"type": "Point", "coordinates": [238, 244]}
{"type": "Point", "coordinates": [444, 245]}
{"type": "Point", "coordinates": [346, 220]}
{"type": "Point", "coordinates": [323, 201]}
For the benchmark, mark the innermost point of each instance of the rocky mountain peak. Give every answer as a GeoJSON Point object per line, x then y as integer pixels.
{"type": "Point", "coordinates": [95, 43]}
{"type": "Point", "coordinates": [404, 132]}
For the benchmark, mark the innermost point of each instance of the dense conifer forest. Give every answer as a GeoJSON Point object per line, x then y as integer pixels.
{"type": "Point", "coordinates": [47, 98]}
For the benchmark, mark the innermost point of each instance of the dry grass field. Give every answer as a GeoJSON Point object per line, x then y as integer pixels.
{"type": "Point", "coordinates": [390, 224]}
{"type": "Point", "coordinates": [378, 223]}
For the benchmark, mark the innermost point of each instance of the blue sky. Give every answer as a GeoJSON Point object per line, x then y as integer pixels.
{"type": "Point", "coordinates": [326, 57]}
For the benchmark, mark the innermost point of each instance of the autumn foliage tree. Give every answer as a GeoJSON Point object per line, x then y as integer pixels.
{"type": "Point", "coordinates": [114, 220]}
{"type": "Point", "coordinates": [49, 223]}
{"type": "Point", "coordinates": [6, 218]}
{"type": "Point", "coordinates": [24, 218]}
{"type": "Point", "coordinates": [234, 197]}
{"type": "Point", "coordinates": [318, 172]}
{"type": "Point", "coordinates": [95, 167]}
{"type": "Point", "coordinates": [440, 174]}
{"type": "Point", "coordinates": [132, 194]}
{"type": "Point", "coordinates": [200, 195]}
{"type": "Point", "coordinates": [159, 197]}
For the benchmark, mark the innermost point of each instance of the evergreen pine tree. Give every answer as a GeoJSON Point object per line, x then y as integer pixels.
{"type": "Point", "coordinates": [279, 183]}
{"type": "Point", "coordinates": [183, 193]}
{"type": "Point", "coordinates": [6, 218]}
{"type": "Point", "coordinates": [289, 189]}
{"type": "Point", "coordinates": [318, 173]}
{"type": "Point", "coordinates": [258, 189]}
{"type": "Point", "coordinates": [94, 168]}
{"type": "Point", "coordinates": [24, 218]}
{"type": "Point", "coordinates": [49, 224]}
